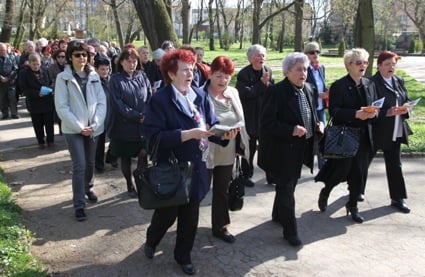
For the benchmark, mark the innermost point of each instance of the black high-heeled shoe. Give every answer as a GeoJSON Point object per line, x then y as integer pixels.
{"type": "Point", "coordinates": [323, 201]}
{"type": "Point", "coordinates": [354, 213]}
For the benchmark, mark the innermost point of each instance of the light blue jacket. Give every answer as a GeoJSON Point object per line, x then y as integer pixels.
{"type": "Point", "coordinates": [71, 107]}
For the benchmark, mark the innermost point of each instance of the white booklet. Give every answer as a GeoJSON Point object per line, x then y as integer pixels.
{"type": "Point", "coordinates": [375, 105]}
{"type": "Point", "coordinates": [219, 129]}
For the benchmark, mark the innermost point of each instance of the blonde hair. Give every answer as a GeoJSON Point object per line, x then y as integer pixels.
{"type": "Point", "coordinates": [354, 54]}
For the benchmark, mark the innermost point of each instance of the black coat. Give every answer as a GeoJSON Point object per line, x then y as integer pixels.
{"type": "Point", "coordinates": [279, 152]}
{"type": "Point", "coordinates": [344, 101]}
{"type": "Point", "coordinates": [251, 89]}
{"type": "Point", "coordinates": [384, 126]}
{"type": "Point", "coordinates": [31, 85]}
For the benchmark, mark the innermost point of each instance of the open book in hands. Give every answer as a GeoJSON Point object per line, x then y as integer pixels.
{"type": "Point", "coordinates": [219, 130]}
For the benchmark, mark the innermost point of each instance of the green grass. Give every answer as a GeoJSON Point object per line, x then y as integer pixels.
{"type": "Point", "coordinates": [15, 239]}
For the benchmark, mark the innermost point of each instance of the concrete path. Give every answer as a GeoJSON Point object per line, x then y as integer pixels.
{"type": "Point", "coordinates": [110, 242]}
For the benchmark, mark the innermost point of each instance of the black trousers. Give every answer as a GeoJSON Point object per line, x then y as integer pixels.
{"type": "Point", "coordinates": [248, 166]}
{"type": "Point", "coordinates": [221, 177]}
{"type": "Point", "coordinates": [393, 167]}
{"type": "Point", "coordinates": [43, 126]}
{"type": "Point", "coordinates": [100, 153]}
{"type": "Point", "coordinates": [284, 205]}
{"type": "Point", "coordinates": [187, 224]}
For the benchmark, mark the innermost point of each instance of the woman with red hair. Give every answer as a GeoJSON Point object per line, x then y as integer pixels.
{"type": "Point", "coordinates": [391, 128]}
{"type": "Point", "coordinates": [181, 115]}
{"type": "Point", "coordinates": [228, 109]}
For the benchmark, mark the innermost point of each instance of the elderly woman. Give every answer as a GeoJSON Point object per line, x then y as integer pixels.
{"type": "Point", "coordinates": [129, 91]}
{"type": "Point", "coordinates": [34, 83]}
{"type": "Point", "coordinates": [289, 131]}
{"type": "Point", "coordinates": [81, 105]}
{"type": "Point", "coordinates": [252, 83]}
{"type": "Point", "coordinates": [228, 109]}
{"type": "Point", "coordinates": [180, 115]}
{"type": "Point", "coordinates": [347, 97]}
{"type": "Point", "coordinates": [391, 128]}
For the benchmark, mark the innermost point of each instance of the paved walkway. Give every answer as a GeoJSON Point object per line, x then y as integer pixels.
{"type": "Point", "coordinates": [110, 242]}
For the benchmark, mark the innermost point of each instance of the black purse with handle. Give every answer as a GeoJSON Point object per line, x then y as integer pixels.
{"type": "Point", "coordinates": [163, 184]}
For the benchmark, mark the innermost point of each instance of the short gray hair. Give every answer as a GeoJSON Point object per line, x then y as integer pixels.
{"type": "Point", "coordinates": [28, 44]}
{"type": "Point", "coordinates": [292, 59]}
{"type": "Point", "coordinates": [254, 49]}
{"type": "Point", "coordinates": [312, 45]}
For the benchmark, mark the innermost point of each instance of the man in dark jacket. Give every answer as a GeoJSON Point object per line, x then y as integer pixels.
{"type": "Point", "coordinates": [8, 75]}
{"type": "Point", "coordinates": [252, 83]}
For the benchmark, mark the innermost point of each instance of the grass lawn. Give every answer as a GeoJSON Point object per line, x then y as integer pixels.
{"type": "Point", "coordinates": [15, 239]}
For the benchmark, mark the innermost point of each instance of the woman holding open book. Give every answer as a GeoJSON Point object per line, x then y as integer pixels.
{"type": "Point", "coordinates": [391, 128]}
{"type": "Point", "coordinates": [220, 159]}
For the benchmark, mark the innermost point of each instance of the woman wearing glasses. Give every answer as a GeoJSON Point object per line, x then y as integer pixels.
{"type": "Point", "coordinates": [347, 97]}
{"type": "Point", "coordinates": [57, 67]}
{"type": "Point", "coordinates": [81, 105]}
{"type": "Point", "coordinates": [316, 77]}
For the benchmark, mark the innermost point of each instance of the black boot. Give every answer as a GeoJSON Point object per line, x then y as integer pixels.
{"type": "Point", "coordinates": [354, 213]}
{"type": "Point", "coordinates": [323, 200]}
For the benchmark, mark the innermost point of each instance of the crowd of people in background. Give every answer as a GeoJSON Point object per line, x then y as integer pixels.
{"type": "Point", "coordinates": [97, 92]}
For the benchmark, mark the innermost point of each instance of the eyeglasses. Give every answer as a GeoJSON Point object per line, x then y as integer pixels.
{"type": "Point", "coordinates": [312, 52]}
{"type": "Point", "coordinates": [77, 55]}
{"type": "Point", "coordinates": [359, 62]}
{"type": "Point", "coordinates": [61, 56]}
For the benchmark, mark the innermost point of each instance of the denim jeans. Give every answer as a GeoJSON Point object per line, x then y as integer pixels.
{"type": "Point", "coordinates": [82, 150]}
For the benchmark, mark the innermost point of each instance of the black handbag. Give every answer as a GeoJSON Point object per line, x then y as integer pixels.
{"type": "Point", "coordinates": [237, 189]}
{"type": "Point", "coordinates": [340, 141]}
{"type": "Point", "coordinates": [164, 184]}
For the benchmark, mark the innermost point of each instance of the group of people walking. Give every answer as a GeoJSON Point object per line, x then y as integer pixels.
{"type": "Point", "coordinates": [283, 122]}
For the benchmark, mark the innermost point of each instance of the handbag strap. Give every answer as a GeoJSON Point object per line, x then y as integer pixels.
{"type": "Point", "coordinates": [238, 166]}
{"type": "Point", "coordinates": [154, 153]}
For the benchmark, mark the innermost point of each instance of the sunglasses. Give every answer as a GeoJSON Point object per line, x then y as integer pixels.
{"type": "Point", "coordinates": [312, 52]}
{"type": "Point", "coordinates": [358, 62]}
{"type": "Point", "coordinates": [61, 56]}
{"type": "Point", "coordinates": [77, 55]}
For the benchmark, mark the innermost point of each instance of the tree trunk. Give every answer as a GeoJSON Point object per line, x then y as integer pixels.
{"type": "Point", "coordinates": [364, 30]}
{"type": "Point", "coordinates": [155, 21]}
{"type": "Point", "coordinates": [21, 29]}
{"type": "Point", "coordinates": [6, 29]}
{"type": "Point", "coordinates": [185, 14]}
{"type": "Point", "coordinates": [211, 22]}
{"type": "Point", "coordinates": [256, 21]}
{"type": "Point", "coordinates": [299, 13]}
{"type": "Point", "coordinates": [118, 28]}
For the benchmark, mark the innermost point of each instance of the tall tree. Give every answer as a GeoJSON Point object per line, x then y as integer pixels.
{"type": "Point", "coordinates": [415, 10]}
{"type": "Point", "coordinates": [6, 29]}
{"type": "Point", "coordinates": [156, 21]}
{"type": "Point", "coordinates": [185, 14]}
{"type": "Point", "coordinates": [211, 23]}
{"type": "Point", "coordinates": [364, 32]}
{"type": "Point", "coordinates": [257, 25]}
{"type": "Point", "coordinates": [114, 7]}
{"type": "Point", "coordinates": [299, 14]}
